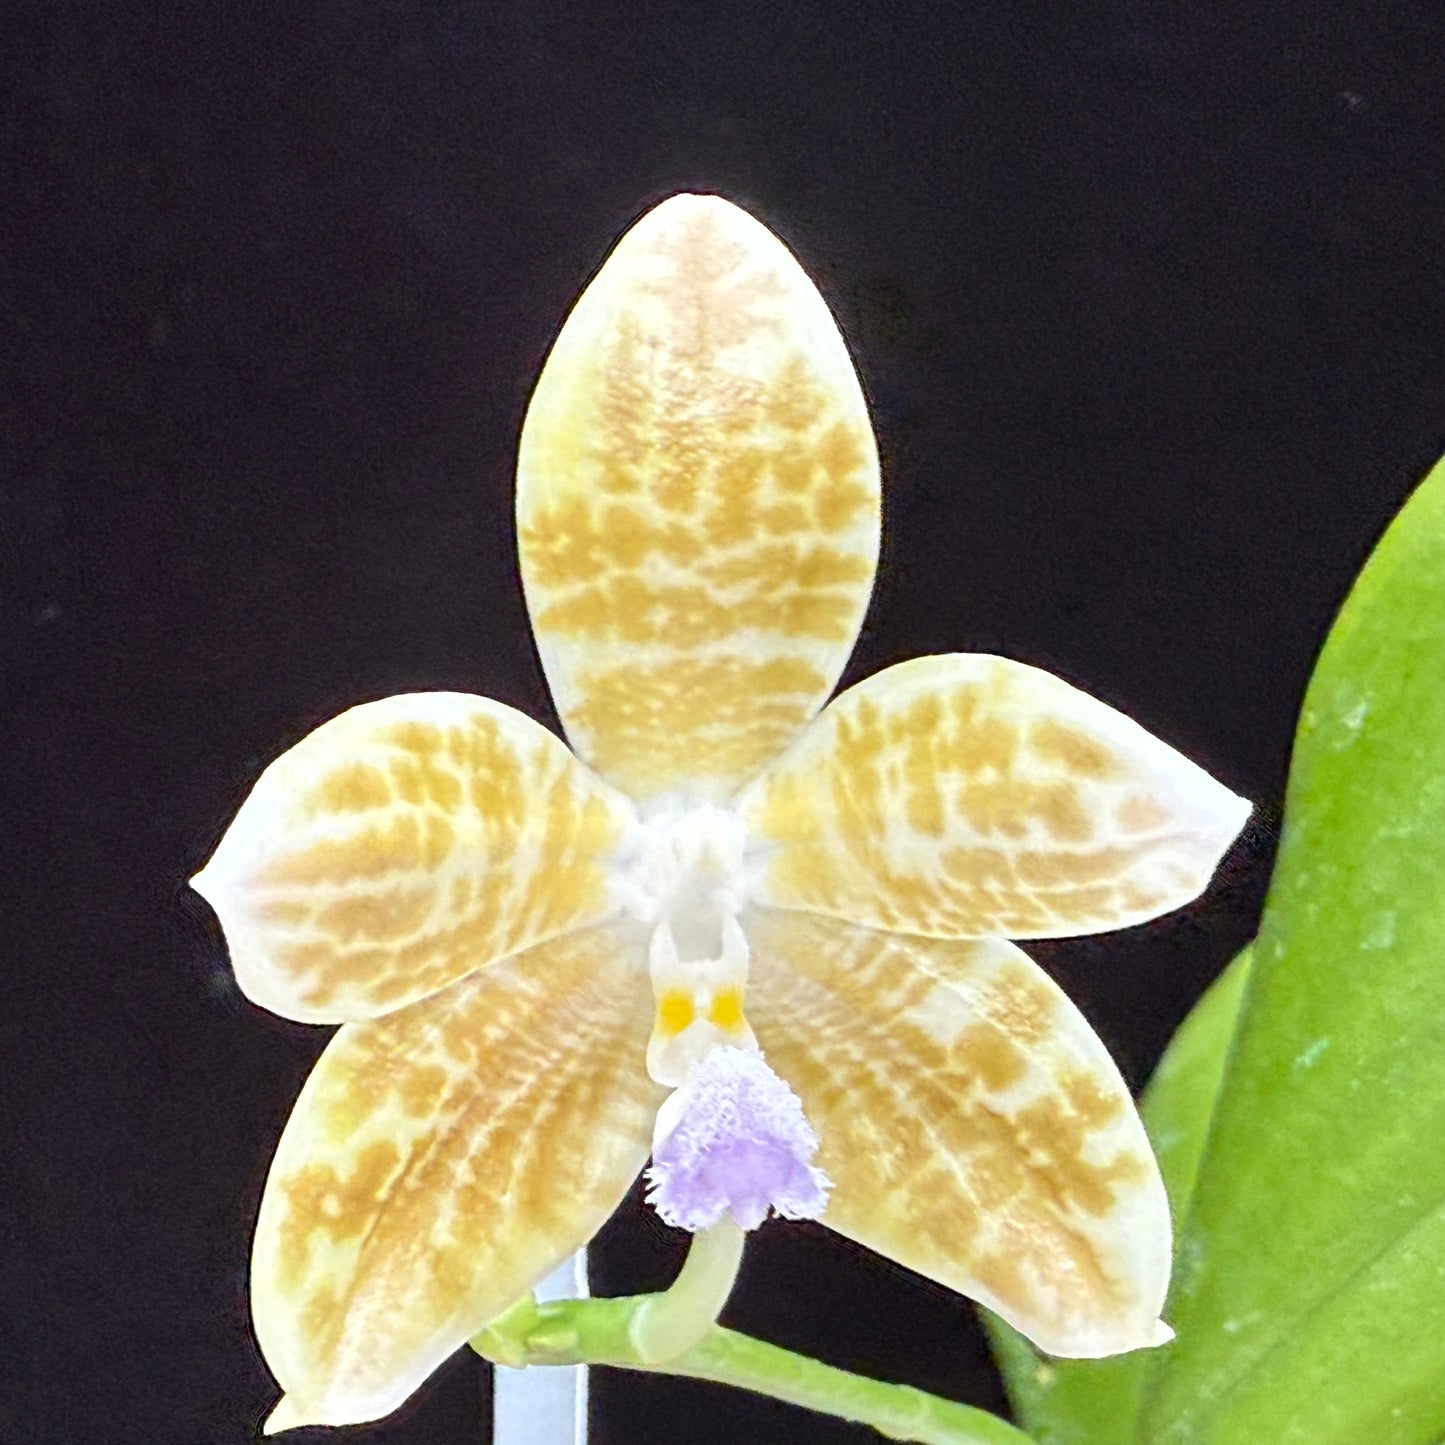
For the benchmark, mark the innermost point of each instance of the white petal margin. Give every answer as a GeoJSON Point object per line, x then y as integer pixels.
{"type": "Point", "coordinates": [973, 1125]}
{"type": "Point", "coordinates": [966, 796]}
{"type": "Point", "coordinates": [402, 845]}
{"type": "Point", "coordinates": [439, 1162]}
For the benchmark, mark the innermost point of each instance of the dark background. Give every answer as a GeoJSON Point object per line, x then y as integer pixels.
{"type": "Point", "coordinates": [1149, 303]}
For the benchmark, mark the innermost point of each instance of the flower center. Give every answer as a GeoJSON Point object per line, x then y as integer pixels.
{"type": "Point", "coordinates": [683, 876]}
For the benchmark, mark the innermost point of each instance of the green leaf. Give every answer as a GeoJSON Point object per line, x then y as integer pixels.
{"type": "Point", "coordinates": [1096, 1402]}
{"type": "Point", "coordinates": [1310, 1299]}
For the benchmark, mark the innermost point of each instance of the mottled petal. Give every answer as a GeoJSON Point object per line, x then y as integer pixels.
{"type": "Point", "coordinates": [974, 1127]}
{"type": "Point", "coordinates": [439, 1162]}
{"type": "Point", "coordinates": [697, 504]}
{"type": "Point", "coordinates": [402, 845]}
{"type": "Point", "coordinates": [965, 795]}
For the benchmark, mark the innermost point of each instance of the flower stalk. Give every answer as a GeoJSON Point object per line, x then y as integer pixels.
{"type": "Point", "coordinates": [669, 1324]}
{"type": "Point", "coordinates": [530, 1405]}
{"type": "Point", "coordinates": [609, 1331]}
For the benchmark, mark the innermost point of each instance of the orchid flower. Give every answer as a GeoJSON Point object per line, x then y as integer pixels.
{"type": "Point", "coordinates": [528, 947]}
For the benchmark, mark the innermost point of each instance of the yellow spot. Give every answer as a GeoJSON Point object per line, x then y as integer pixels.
{"type": "Point", "coordinates": [726, 1010]}
{"type": "Point", "coordinates": [674, 1011]}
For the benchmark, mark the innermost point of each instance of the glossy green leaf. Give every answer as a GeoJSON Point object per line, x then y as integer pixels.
{"type": "Point", "coordinates": [1310, 1286]}
{"type": "Point", "coordinates": [1096, 1402]}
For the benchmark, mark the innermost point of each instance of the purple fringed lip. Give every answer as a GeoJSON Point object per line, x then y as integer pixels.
{"type": "Point", "coordinates": [733, 1140]}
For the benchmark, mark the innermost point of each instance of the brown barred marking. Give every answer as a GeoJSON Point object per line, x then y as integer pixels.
{"type": "Point", "coordinates": [972, 1124]}
{"type": "Point", "coordinates": [401, 846]}
{"type": "Point", "coordinates": [697, 504]}
{"type": "Point", "coordinates": [966, 796]}
{"type": "Point", "coordinates": [439, 1161]}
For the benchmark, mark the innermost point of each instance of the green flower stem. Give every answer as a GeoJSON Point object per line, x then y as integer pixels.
{"type": "Point", "coordinates": [601, 1332]}
{"type": "Point", "coordinates": [669, 1324]}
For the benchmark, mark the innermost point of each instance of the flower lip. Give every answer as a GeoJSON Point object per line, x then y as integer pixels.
{"type": "Point", "coordinates": [733, 1140]}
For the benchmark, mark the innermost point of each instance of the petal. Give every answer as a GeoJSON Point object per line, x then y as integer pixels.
{"type": "Point", "coordinates": [974, 1127]}
{"type": "Point", "coordinates": [697, 504]}
{"type": "Point", "coordinates": [439, 1162]}
{"type": "Point", "coordinates": [966, 795]}
{"type": "Point", "coordinates": [402, 845]}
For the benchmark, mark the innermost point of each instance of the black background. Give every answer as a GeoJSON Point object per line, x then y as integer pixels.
{"type": "Point", "coordinates": [1148, 300]}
